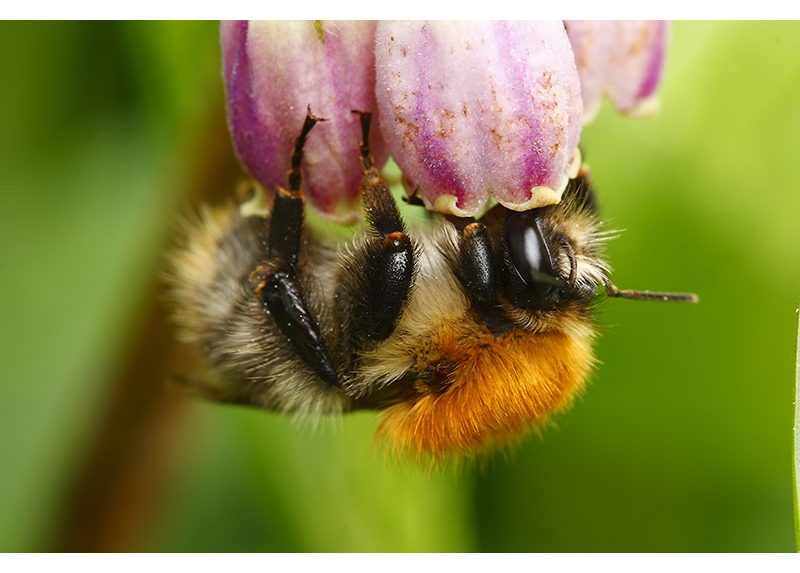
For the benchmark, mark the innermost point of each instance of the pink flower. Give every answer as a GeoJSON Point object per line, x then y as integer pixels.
{"type": "Point", "coordinates": [473, 109]}
{"type": "Point", "coordinates": [273, 72]}
{"type": "Point", "coordinates": [622, 59]}
{"type": "Point", "coordinates": [469, 110]}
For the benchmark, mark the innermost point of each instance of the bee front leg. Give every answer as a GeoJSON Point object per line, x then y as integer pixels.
{"type": "Point", "coordinates": [474, 264]}
{"type": "Point", "coordinates": [276, 281]}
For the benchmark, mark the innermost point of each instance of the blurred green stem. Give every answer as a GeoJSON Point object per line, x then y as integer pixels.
{"type": "Point", "coordinates": [118, 487]}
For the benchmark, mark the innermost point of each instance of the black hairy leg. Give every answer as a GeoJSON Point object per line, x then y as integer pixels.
{"type": "Point", "coordinates": [276, 281]}
{"type": "Point", "coordinates": [475, 264]}
{"type": "Point", "coordinates": [286, 227]}
{"type": "Point", "coordinates": [380, 279]}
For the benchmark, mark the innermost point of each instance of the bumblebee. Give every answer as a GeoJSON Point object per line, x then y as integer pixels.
{"type": "Point", "coordinates": [464, 335]}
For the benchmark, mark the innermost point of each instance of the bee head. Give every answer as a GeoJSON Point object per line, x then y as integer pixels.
{"type": "Point", "coordinates": [547, 262]}
{"type": "Point", "coordinates": [553, 255]}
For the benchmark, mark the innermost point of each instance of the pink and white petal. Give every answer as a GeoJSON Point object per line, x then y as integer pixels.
{"type": "Point", "coordinates": [622, 59]}
{"type": "Point", "coordinates": [285, 68]}
{"type": "Point", "coordinates": [478, 109]}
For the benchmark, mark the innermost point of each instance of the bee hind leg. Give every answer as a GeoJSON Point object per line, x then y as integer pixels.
{"type": "Point", "coordinates": [276, 281]}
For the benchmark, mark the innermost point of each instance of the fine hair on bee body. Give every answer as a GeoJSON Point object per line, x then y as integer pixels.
{"type": "Point", "coordinates": [464, 335]}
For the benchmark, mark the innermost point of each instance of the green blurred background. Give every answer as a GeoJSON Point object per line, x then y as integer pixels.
{"type": "Point", "coordinates": [682, 442]}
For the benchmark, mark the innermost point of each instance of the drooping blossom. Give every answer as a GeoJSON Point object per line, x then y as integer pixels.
{"type": "Point", "coordinates": [477, 109]}
{"type": "Point", "coordinates": [621, 59]}
{"type": "Point", "coordinates": [273, 72]}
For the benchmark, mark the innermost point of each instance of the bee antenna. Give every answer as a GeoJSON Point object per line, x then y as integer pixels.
{"type": "Point", "coordinates": [614, 292]}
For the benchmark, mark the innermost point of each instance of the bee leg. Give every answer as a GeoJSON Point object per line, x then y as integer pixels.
{"type": "Point", "coordinates": [389, 258]}
{"type": "Point", "coordinates": [278, 288]}
{"type": "Point", "coordinates": [475, 265]}
{"type": "Point", "coordinates": [286, 227]}
{"type": "Point", "coordinates": [276, 281]}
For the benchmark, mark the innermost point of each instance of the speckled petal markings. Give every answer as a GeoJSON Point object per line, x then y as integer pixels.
{"type": "Point", "coordinates": [274, 71]}
{"type": "Point", "coordinates": [478, 109]}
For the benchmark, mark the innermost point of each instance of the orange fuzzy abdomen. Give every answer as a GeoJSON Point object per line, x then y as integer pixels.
{"type": "Point", "coordinates": [495, 389]}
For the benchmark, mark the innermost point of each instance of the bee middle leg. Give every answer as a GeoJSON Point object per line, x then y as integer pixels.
{"type": "Point", "coordinates": [276, 281]}
{"type": "Point", "coordinates": [378, 280]}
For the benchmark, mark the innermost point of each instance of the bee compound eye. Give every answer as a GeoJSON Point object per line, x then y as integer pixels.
{"type": "Point", "coordinates": [529, 251]}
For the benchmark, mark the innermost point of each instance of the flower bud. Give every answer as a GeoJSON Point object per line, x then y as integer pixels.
{"type": "Point", "coordinates": [273, 72]}
{"type": "Point", "coordinates": [622, 59]}
{"type": "Point", "coordinates": [474, 109]}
